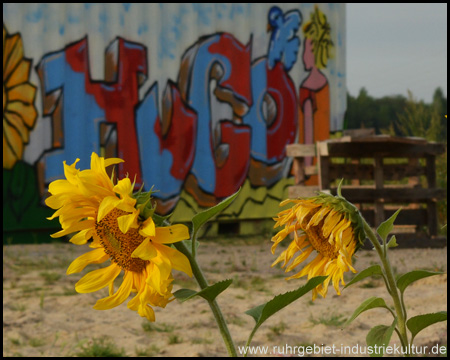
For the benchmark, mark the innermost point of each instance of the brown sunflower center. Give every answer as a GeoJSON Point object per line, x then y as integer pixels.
{"type": "Point", "coordinates": [120, 246]}
{"type": "Point", "coordinates": [316, 238]}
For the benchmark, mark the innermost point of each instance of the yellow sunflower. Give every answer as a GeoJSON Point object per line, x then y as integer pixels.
{"type": "Point", "coordinates": [123, 232]}
{"type": "Point", "coordinates": [19, 113]}
{"type": "Point", "coordinates": [325, 225]}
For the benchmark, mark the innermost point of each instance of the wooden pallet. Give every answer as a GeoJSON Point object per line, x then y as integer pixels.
{"type": "Point", "coordinates": [366, 162]}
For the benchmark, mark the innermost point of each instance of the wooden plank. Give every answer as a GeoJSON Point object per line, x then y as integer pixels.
{"type": "Point", "coordinates": [301, 150]}
{"type": "Point", "coordinates": [353, 133]}
{"type": "Point", "coordinates": [416, 217]}
{"type": "Point", "coordinates": [311, 170]}
{"type": "Point", "coordinates": [302, 191]}
{"type": "Point", "coordinates": [322, 148]}
{"type": "Point", "coordinates": [391, 195]}
{"type": "Point", "coordinates": [379, 210]}
{"type": "Point", "coordinates": [432, 218]}
{"type": "Point", "coordinates": [390, 139]}
{"type": "Point", "coordinates": [366, 171]}
{"type": "Point", "coordinates": [359, 149]}
{"type": "Point", "coordinates": [324, 172]}
{"type": "Point", "coordinates": [431, 170]}
{"type": "Point", "coordinates": [414, 241]}
{"type": "Point", "coordinates": [298, 168]}
{"type": "Point", "coordinates": [431, 205]}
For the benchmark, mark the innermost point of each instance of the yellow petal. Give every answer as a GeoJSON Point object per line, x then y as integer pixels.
{"type": "Point", "coordinates": [96, 256]}
{"type": "Point", "coordinates": [140, 304]}
{"type": "Point", "coordinates": [112, 161]}
{"type": "Point", "coordinates": [124, 187]}
{"type": "Point", "coordinates": [62, 187]}
{"type": "Point", "coordinates": [160, 269]}
{"type": "Point", "coordinates": [300, 258]}
{"type": "Point", "coordinates": [82, 225]}
{"type": "Point", "coordinates": [107, 204]}
{"type": "Point", "coordinates": [127, 221]}
{"type": "Point", "coordinates": [97, 279]}
{"type": "Point", "coordinates": [80, 238]}
{"type": "Point", "coordinates": [171, 234]}
{"type": "Point", "coordinates": [178, 260]}
{"type": "Point", "coordinates": [70, 172]}
{"type": "Point", "coordinates": [145, 251]}
{"type": "Point", "coordinates": [119, 297]}
{"type": "Point", "coordinates": [88, 187]}
{"type": "Point", "coordinates": [148, 228]}
{"type": "Point", "coordinates": [287, 201]}
{"type": "Point", "coordinates": [318, 216]}
{"type": "Point", "coordinates": [68, 218]}
{"type": "Point", "coordinates": [307, 269]}
{"type": "Point", "coordinates": [146, 311]}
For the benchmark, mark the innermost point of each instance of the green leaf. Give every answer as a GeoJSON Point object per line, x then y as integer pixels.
{"type": "Point", "coordinates": [420, 322]}
{"type": "Point", "coordinates": [209, 293]}
{"type": "Point", "coordinates": [262, 312]}
{"type": "Point", "coordinates": [368, 304]}
{"type": "Point", "coordinates": [372, 270]}
{"type": "Point", "coordinates": [380, 336]}
{"type": "Point", "coordinates": [406, 279]}
{"type": "Point", "coordinates": [202, 217]}
{"type": "Point", "coordinates": [393, 242]}
{"type": "Point", "coordinates": [386, 227]}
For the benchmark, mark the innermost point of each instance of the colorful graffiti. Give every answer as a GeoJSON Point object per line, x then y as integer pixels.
{"type": "Point", "coordinates": [19, 113]}
{"type": "Point", "coordinates": [314, 91]}
{"type": "Point", "coordinates": [222, 124]}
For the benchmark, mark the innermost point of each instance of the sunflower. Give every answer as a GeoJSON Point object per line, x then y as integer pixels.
{"type": "Point", "coordinates": [123, 232]}
{"type": "Point", "coordinates": [19, 112]}
{"type": "Point", "coordinates": [325, 225]}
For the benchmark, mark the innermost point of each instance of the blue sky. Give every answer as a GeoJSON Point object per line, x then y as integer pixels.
{"type": "Point", "coordinates": [395, 47]}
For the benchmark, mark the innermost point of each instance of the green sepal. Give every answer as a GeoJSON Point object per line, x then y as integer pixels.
{"type": "Point", "coordinates": [161, 220]}
{"type": "Point", "coordinates": [144, 204]}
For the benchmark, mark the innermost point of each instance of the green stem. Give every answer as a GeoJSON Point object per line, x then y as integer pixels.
{"type": "Point", "coordinates": [403, 335]}
{"type": "Point", "coordinates": [220, 320]}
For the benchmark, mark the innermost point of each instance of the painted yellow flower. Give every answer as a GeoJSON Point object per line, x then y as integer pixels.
{"type": "Point", "coordinates": [90, 205]}
{"type": "Point", "coordinates": [19, 113]}
{"type": "Point", "coordinates": [325, 225]}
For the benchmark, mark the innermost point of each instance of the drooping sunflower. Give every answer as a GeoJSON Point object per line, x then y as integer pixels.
{"type": "Point", "coordinates": [123, 233]}
{"type": "Point", "coordinates": [19, 112]}
{"type": "Point", "coordinates": [326, 226]}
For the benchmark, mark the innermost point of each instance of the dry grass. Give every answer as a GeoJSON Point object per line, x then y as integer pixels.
{"type": "Point", "coordinates": [44, 316]}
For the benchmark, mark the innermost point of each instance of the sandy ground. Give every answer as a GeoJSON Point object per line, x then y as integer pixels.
{"type": "Point", "coordinates": [44, 316]}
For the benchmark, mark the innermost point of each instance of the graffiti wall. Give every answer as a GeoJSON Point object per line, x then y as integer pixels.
{"type": "Point", "coordinates": [198, 99]}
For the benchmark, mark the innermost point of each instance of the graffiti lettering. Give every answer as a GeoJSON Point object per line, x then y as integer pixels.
{"type": "Point", "coordinates": [167, 148]}
{"type": "Point", "coordinates": [79, 105]}
{"type": "Point", "coordinates": [186, 146]}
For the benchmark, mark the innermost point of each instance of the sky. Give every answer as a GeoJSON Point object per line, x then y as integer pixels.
{"type": "Point", "coordinates": [392, 48]}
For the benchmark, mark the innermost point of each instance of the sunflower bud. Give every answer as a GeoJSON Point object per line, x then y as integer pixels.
{"type": "Point", "coordinates": [144, 204]}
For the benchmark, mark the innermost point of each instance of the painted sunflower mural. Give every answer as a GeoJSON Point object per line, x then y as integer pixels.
{"type": "Point", "coordinates": [19, 112]}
